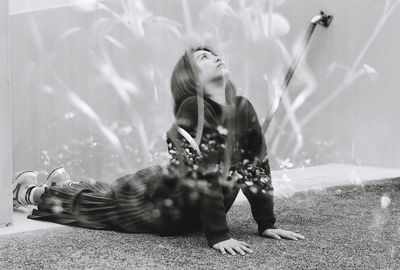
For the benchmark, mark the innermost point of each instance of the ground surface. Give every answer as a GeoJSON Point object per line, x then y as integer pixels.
{"type": "Point", "coordinates": [346, 227]}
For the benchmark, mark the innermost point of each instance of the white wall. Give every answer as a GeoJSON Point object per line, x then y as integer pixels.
{"type": "Point", "coordinates": [5, 122]}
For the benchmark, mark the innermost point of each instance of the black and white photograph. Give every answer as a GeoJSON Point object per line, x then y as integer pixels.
{"type": "Point", "coordinates": [199, 134]}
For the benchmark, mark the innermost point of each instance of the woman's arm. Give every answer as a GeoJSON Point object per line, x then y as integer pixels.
{"type": "Point", "coordinates": [254, 168]}
{"type": "Point", "coordinates": [212, 212]}
{"type": "Point", "coordinates": [260, 194]}
{"type": "Point", "coordinates": [211, 206]}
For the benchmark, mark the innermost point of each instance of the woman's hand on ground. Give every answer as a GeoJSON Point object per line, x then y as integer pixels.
{"type": "Point", "coordinates": [279, 234]}
{"type": "Point", "coordinates": [233, 246]}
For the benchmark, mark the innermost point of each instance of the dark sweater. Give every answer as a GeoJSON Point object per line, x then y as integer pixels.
{"type": "Point", "coordinates": [231, 136]}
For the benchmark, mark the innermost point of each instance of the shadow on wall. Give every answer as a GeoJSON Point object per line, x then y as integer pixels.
{"type": "Point", "coordinates": [91, 91]}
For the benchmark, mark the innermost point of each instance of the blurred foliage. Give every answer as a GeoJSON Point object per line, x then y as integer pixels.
{"type": "Point", "coordinates": [104, 81]}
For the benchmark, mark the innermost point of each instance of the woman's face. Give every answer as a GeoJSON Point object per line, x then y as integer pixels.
{"type": "Point", "coordinates": [212, 68]}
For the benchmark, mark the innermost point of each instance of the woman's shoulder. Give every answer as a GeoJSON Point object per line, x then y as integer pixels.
{"type": "Point", "coordinates": [189, 105]}
{"type": "Point", "coordinates": [243, 103]}
{"type": "Point", "coordinates": [188, 101]}
{"type": "Point", "coordinates": [242, 99]}
{"type": "Point", "coordinates": [187, 114]}
{"type": "Point", "coordinates": [192, 100]}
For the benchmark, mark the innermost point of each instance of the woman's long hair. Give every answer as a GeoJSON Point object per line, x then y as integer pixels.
{"type": "Point", "coordinates": [185, 83]}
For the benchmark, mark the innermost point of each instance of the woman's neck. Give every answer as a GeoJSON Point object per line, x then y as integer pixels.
{"type": "Point", "coordinates": [216, 92]}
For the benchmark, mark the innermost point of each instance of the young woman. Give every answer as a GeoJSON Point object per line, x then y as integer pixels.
{"type": "Point", "coordinates": [217, 148]}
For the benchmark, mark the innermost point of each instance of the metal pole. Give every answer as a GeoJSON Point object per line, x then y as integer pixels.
{"type": "Point", "coordinates": [323, 19]}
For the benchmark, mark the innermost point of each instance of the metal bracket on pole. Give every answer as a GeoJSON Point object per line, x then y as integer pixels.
{"type": "Point", "coordinates": [324, 18]}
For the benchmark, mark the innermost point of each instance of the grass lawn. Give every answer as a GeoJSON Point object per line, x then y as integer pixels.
{"type": "Point", "coordinates": [345, 227]}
